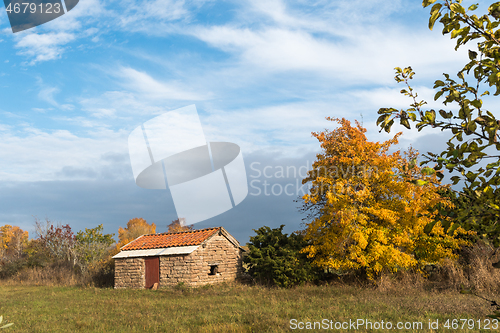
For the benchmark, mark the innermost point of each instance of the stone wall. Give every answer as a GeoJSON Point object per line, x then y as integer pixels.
{"type": "Point", "coordinates": [217, 251]}
{"type": "Point", "coordinates": [175, 269]}
{"type": "Point", "coordinates": [129, 273]}
{"type": "Point", "coordinates": [194, 269]}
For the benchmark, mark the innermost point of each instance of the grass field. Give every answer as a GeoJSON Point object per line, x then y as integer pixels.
{"type": "Point", "coordinates": [227, 308]}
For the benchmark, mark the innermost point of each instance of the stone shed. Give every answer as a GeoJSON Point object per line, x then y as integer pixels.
{"type": "Point", "coordinates": [194, 257]}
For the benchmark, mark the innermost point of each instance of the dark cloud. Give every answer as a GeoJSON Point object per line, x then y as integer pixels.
{"type": "Point", "coordinates": [85, 204]}
{"type": "Point", "coordinates": [113, 201]}
{"type": "Point", "coordinates": [74, 172]}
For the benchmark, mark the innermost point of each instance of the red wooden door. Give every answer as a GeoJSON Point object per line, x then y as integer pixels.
{"type": "Point", "coordinates": [152, 271]}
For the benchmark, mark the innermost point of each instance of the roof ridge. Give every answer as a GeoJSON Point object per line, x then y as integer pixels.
{"type": "Point", "coordinates": [184, 232]}
{"type": "Point", "coordinates": [174, 239]}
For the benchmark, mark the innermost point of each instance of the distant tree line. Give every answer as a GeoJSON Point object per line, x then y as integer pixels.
{"type": "Point", "coordinates": [86, 254]}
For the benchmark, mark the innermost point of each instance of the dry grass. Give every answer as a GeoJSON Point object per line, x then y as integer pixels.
{"type": "Point", "coordinates": [224, 308]}
{"type": "Point", "coordinates": [35, 302]}
{"type": "Point", "coordinates": [56, 276]}
{"type": "Point", "coordinates": [45, 276]}
{"type": "Point", "coordinates": [473, 271]}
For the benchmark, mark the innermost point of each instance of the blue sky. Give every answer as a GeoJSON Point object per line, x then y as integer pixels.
{"type": "Point", "coordinates": [263, 74]}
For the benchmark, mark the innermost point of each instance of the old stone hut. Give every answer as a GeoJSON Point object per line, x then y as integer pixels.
{"type": "Point", "coordinates": [194, 257]}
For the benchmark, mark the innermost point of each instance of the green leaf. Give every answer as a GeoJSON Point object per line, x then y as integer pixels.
{"type": "Point", "coordinates": [445, 114]}
{"type": "Point", "coordinates": [382, 118]}
{"type": "Point", "coordinates": [438, 94]}
{"type": "Point", "coordinates": [471, 176]}
{"type": "Point", "coordinates": [429, 226]}
{"type": "Point", "coordinates": [494, 10]}
{"type": "Point", "coordinates": [431, 116]}
{"type": "Point", "coordinates": [492, 79]}
{"type": "Point", "coordinates": [427, 3]}
{"type": "Point", "coordinates": [404, 121]}
{"type": "Point", "coordinates": [455, 33]}
{"type": "Point", "coordinates": [472, 7]}
{"type": "Point", "coordinates": [477, 103]}
{"type": "Point", "coordinates": [434, 16]}
{"type": "Point", "coordinates": [455, 7]}
{"type": "Point", "coordinates": [428, 171]}
{"type": "Point", "coordinates": [438, 83]}
{"type": "Point", "coordinates": [413, 163]}
{"type": "Point", "coordinates": [453, 228]}
{"type": "Point", "coordinates": [471, 126]}
{"type": "Point", "coordinates": [387, 127]}
{"type": "Point", "coordinates": [421, 182]}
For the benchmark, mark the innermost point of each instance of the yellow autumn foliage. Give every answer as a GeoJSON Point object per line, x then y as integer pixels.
{"type": "Point", "coordinates": [13, 240]}
{"type": "Point", "coordinates": [135, 227]}
{"type": "Point", "coordinates": [368, 212]}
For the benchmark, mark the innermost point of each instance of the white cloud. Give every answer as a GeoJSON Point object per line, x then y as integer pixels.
{"type": "Point", "coordinates": [137, 11]}
{"type": "Point", "coordinates": [292, 67]}
{"type": "Point", "coordinates": [118, 106]}
{"type": "Point", "coordinates": [286, 127]}
{"type": "Point", "coordinates": [38, 155]}
{"type": "Point", "coordinates": [43, 47]}
{"type": "Point", "coordinates": [376, 98]}
{"type": "Point", "coordinates": [85, 13]}
{"type": "Point", "coordinates": [39, 46]}
{"type": "Point", "coordinates": [47, 94]}
{"type": "Point", "coordinates": [369, 58]}
{"type": "Point", "coordinates": [144, 84]}
{"type": "Point", "coordinates": [4, 127]}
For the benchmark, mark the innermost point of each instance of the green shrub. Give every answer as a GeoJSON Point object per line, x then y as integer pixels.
{"type": "Point", "coordinates": [274, 258]}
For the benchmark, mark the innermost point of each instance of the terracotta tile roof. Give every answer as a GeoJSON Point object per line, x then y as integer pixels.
{"type": "Point", "coordinates": [156, 241]}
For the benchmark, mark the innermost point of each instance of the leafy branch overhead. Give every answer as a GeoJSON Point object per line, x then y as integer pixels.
{"type": "Point", "coordinates": [473, 147]}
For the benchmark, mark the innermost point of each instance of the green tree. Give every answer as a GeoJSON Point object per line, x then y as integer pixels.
{"type": "Point", "coordinates": [92, 247]}
{"type": "Point", "coordinates": [472, 153]}
{"type": "Point", "coordinates": [275, 258]}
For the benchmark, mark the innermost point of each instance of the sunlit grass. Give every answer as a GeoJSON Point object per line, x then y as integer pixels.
{"type": "Point", "coordinates": [223, 308]}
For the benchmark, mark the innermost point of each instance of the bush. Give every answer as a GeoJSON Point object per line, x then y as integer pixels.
{"type": "Point", "coordinates": [274, 258]}
{"type": "Point", "coordinates": [8, 269]}
{"type": "Point", "coordinates": [103, 275]}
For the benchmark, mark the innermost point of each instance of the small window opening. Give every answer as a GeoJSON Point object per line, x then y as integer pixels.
{"type": "Point", "coordinates": [213, 270]}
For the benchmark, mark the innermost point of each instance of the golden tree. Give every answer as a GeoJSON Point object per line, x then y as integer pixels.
{"type": "Point", "coordinates": [135, 228]}
{"type": "Point", "coordinates": [369, 208]}
{"type": "Point", "coordinates": [179, 225]}
{"type": "Point", "coordinates": [13, 240]}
